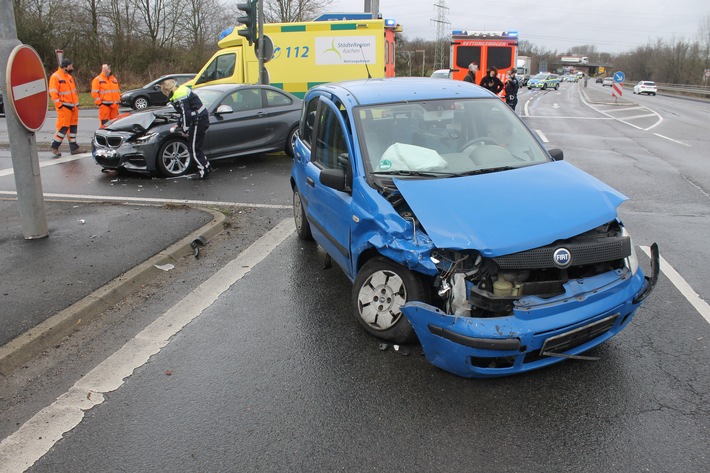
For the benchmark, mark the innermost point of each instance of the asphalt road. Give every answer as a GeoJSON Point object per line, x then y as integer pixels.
{"type": "Point", "coordinates": [264, 368]}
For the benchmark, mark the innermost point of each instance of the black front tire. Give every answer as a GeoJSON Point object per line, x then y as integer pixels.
{"type": "Point", "coordinates": [381, 288]}
{"type": "Point", "coordinates": [303, 228]}
{"type": "Point", "coordinates": [288, 149]}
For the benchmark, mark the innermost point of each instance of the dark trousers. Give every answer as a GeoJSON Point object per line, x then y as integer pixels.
{"type": "Point", "coordinates": [195, 139]}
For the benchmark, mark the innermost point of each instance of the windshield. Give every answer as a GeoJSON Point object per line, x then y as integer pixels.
{"type": "Point", "coordinates": [207, 96]}
{"type": "Point", "coordinates": [540, 76]}
{"type": "Point", "coordinates": [445, 138]}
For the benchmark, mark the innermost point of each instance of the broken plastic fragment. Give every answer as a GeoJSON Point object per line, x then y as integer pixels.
{"type": "Point", "coordinates": [164, 267]}
{"type": "Point", "coordinates": [384, 346]}
{"type": "Point", "coordinates": [82, 221]}
{"type": "Point", "coordinates": [197, 243]}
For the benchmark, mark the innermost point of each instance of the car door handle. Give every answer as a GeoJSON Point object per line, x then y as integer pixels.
{"type": "Point", "coordinates": [310, 182]}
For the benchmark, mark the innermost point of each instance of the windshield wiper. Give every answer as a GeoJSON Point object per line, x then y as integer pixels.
{"type": "Point", "coordinates": [485, 171]}
{"type": "Point", "coordinates": [403, 172]}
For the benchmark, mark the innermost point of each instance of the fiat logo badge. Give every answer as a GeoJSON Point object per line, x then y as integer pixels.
{"type": "Point", "coordinates": [562, 257]}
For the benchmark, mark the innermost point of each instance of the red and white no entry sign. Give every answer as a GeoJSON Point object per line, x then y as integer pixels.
{"type": "Point", "coordinates": [27, 87]}
{"type": "Point", "coordinates": [616, 89]}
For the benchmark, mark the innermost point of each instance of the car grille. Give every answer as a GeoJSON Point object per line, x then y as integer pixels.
{"type": "Point", "coordinates": [583, 253]}
{"type": "Point", "coordinates": [108, 141]}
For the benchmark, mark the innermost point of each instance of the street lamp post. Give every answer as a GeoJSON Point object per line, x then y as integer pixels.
{"type": "Point", "coordinates": [423, 58]}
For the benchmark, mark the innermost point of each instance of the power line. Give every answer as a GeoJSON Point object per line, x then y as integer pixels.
{"type": "Point", "coordinates": [442, 37]}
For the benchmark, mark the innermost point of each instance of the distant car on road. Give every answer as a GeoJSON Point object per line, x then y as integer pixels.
{"type": "Point", "coordinates": [244, 119]}
{"type": "Point", "coordinates": [441, 74]}
{"type": "Point", "coordinates": [151, 93]}
{"type": "Point", "coordinates": [608, 81]}
{"type": "Point", "coordinates": [645, 87]}
{"type": "Point", "coordinates": [544, 81]}
{"type": "Point", "coordinates": [599, 80]}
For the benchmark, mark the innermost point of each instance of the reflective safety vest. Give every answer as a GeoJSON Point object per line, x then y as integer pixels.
{"type": "Point", "coordinates": [62, 90]}
{"type": "Point", "coordinates": [105, 90]}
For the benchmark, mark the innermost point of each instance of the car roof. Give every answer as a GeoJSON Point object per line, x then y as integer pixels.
{"type": "Point", "coordinates": [228, 87]}
{"type": "Point", "coordinates": [376, 91]}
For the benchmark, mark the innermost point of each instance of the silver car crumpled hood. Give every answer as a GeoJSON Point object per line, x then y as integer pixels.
{"type": "Point", "coordinates": [139, 121]}
{"type": "Point", "coordinates": [510, 211]}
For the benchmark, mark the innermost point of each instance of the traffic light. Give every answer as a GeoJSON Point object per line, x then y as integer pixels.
{"type": "Point", "coordinates": [250, 32]}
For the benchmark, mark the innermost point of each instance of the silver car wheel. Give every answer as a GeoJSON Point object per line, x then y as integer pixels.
{"type": "Point", "coordinates": [140, 103]}
{"type": "Point", "coordinates": [381, 298]}
{"type": "Point", "coordinates": [175, 158]}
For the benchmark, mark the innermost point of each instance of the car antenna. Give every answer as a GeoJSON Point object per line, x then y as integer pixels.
{"type": "Point", "coordinates": [363, 58]}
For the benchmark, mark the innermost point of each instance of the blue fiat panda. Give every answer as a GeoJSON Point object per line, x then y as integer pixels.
{"type": "Point", "coordinates": [443, 209]}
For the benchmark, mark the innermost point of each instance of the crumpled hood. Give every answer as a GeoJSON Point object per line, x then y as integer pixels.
{"type": "Point", "coordinates": [510, 211]}
{"type": "Point", "coordinates": [141, 118]}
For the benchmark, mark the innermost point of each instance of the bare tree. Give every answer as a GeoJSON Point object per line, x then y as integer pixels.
{"type": "Point", "coordinates": [286, 11]}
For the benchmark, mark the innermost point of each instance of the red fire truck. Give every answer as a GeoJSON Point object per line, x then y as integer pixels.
{"type": "Point", "coordinates": [497, 49]}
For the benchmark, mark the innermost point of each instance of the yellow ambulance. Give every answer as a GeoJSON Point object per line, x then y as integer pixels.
{"type": "Point", "coordinates": [306, 54]}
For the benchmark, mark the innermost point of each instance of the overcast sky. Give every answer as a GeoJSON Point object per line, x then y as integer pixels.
{"type": "Point", "coordinates": [614, 26]}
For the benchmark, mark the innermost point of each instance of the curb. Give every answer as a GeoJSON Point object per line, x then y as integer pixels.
{"type": "Point", "coordinates": [51, 331]}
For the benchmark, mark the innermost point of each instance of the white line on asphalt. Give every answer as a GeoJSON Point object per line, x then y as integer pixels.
{"type": "Point", "coordinates": [700, 305]}
{"type": "Point", "coordinates": [542, 136]}
{"type": "Point", "coordinates": [104, 198]}
{"type": "Point", "coordinates": [640, 116]}
{"type": "Point", "coordinates": [674, 141]}
{"type": "Point", "coordinates": [36, 437]}
{"type": "Point", "coordinates": [626, 109]}
{"type": "Point", "coordinates": [599, 110]}
{"type": "Point", "coordinates": [570, 118]}
{"type": "Point", "coordinates": [42, 164]}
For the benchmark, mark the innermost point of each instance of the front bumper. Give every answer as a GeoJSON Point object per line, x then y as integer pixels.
{"type": "Point", "coordinates": [122, 154]}
{"type": "Point", "coordinates": [540, 332]}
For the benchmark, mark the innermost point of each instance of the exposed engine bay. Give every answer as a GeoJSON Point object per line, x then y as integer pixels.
{"type": "Point", "coordinates": [469, 284]}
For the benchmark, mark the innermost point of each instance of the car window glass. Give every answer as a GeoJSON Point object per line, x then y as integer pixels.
{"type": "Point", "coordinates": [500, 57]}
{"type": "Point", "coordinates": [331, 149]}
{"type": "Point", "coordinates": [222, 66]}
{"type": "Point", "coordinates": [465, 55]}
{"type": "Point", "coordinates": [451, 136]}
{"type": "Point", "coordinates": [274, 99]}
{"type": "Point", "coordinates": [179, 80]}
{"type": "Point", "coordinates": [308, 121]}
{"type": "Point", "coordinates": [245, 100]}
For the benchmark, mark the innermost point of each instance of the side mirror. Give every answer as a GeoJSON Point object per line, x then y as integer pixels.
{"type": "Point", "coordinates": [556, 154]}
{"type": "Point", "coordinates": [335, 179]}
{"type": "Point", "coordinates": [223, 109]}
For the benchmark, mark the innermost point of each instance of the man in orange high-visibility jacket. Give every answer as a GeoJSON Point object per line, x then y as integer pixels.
{"type": "Point", "coordinates": [62, 91]}
{"type": "Point", "coordinates": [106, 94]}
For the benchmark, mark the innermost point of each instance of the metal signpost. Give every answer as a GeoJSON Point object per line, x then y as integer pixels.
{"type": "Point", "coordinates": [617, 87]}
{"type": "Point", "coordinates": [24, 85]}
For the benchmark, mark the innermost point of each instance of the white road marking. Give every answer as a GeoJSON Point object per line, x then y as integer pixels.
{"type": "Point", "coordinates": [700, 305]}
{"type": "Point", "coordinates": [569, 118]}
{"type": "Point", "coordinates": [542, 136]}
{"type": "Point", "coordinates": [43, 164]}
{"type": "Point", "coordinates": [674, 141]}
{"type": "Point", "coordinates": [599, 110]}
{"type": "Point", "coordinates": [147, 200]}
{"type": "Point", "coordinates": [36, 437]}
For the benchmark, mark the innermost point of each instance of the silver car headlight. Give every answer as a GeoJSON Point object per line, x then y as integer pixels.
{"type": "Point", "coordinates": [146, 138]}
{"type": "Point", "coordinates": [632, 261]}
